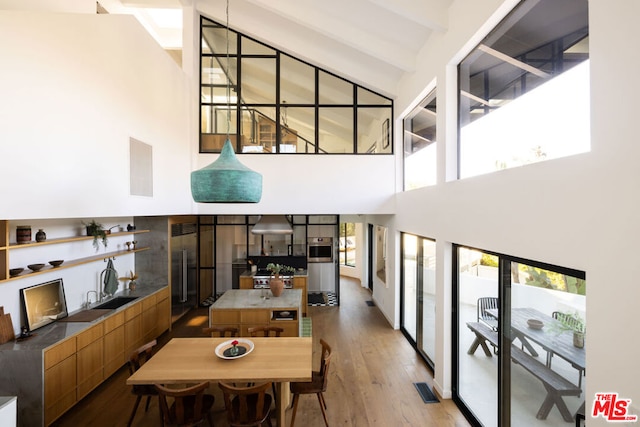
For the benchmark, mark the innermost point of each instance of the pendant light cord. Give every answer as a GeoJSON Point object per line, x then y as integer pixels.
{"type": "Point", "coordinates": [228, 78]}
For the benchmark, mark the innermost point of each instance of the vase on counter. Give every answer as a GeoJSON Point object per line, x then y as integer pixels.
{"type": "Point", "coordinates": [578, 339]}
{"type": "Point", "coordinates": [41, 236]}
{"type": "Point", "coordinates": [276, 285]}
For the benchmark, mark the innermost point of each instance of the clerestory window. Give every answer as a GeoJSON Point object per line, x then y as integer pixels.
{"type": "Point", "coordinates": [524, 90]}
{"type": "Point", "coordinates": [266, 101]}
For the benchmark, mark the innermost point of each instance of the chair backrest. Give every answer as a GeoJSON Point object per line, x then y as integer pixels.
{"type": "Point", "coordinates": [266, 331]}
{"type": "Point", "coordinates": [140, 356]}
{"type": "Point", "coordinates": [325, 359]}
{"type": "Point", "coordinates": [187, 407]}
{"type": "Point", "coordinates": [485, 303]}
{"type": "Point", "coordinates": [246, 405]}
{"type": "Point", "coordinates": [220, 332]}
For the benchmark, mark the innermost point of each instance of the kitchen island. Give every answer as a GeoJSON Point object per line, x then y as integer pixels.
{"type": "Point", "coordinates": [251, 308]}
{"type": "Point", "coordinates": [299, 281]}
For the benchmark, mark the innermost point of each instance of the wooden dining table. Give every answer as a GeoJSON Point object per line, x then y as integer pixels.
{"type": "Point", "coordinates": [193, 360]}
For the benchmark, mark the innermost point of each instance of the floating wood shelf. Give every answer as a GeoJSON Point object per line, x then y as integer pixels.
{"type": "Point", "coordinates": [13, 246]}
{"type": "Point", "coordinates": [75, 262]}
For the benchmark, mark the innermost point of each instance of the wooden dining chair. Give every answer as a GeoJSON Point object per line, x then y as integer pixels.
{"type": "Point", "coordinates": [317, 386]}
{"type": "Point", "coordinates": [137, 359]}
{"type": "Point", "coordinates": [266, 331]}
{"type": "Point", "coordinates": [190, 405]}
{"type": "Point", "coordinates": [247, 406]}
{"type": "Point", "coordinates": [220, 332]}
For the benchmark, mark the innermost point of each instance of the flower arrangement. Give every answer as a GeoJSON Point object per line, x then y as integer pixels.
{"type": "Point", "coordinates": [234, 350]}
{"type": "Point", "coordinates": [276, 269]}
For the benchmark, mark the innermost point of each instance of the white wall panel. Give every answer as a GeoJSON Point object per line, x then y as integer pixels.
{"type": "Point", "coordinates": [75, 88]}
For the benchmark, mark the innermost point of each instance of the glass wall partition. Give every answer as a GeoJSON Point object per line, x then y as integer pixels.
{"type": "Point", "coordinates": [418, 294]}
{"type": "Point", "coordinates": [521, 332]}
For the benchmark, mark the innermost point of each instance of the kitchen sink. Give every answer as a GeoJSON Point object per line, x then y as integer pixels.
{"type": "Point", "coordinates": [114, 303]}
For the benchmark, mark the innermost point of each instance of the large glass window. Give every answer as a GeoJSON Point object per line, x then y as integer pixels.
{"type": "Point", "coordinates": [524, 90]}
{"type": "Point", "coordinates": [348, 244]}
{"type": "Point", "coordinates": [283, 105]}
{"type": "Point", "coordinates": [418, 303]}
{"type": "Point", "coordinates": [420, 162]}
{"type": "Point", "coordinates": [521, 331]}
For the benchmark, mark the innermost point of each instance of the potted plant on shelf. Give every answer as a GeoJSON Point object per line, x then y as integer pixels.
{"type": "Point", "coordinates": [131, 278]}
{"type": "Point", "coordinates": [573, 322]}
{"type": "Point", "coordinates": [96, 230]}
{"type": "Point", "coordinates": [275, 283]}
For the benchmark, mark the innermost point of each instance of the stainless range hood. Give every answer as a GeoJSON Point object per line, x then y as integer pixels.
{"type": "Point", "coordinates": [272, 224]}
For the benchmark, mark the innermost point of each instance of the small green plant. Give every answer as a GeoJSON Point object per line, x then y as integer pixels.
{"type": "Point", "coordinates": [277, 269]}
{"type": "Point", "coordinates": [98, 232]}
{"type": "Point", "coordinates": [573, 322]}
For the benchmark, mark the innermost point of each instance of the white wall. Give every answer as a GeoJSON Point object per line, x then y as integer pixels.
{"type": "Point", "coordinates": [577, 212]}
{"type": "Point", "coordinates": [75, 88]}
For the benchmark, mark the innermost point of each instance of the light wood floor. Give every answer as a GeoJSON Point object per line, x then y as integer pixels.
{"type": "Point", "coordinates": [371, 378]}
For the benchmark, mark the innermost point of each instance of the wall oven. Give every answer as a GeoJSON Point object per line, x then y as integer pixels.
{"type": "Point", "coordinates": [320, 249]}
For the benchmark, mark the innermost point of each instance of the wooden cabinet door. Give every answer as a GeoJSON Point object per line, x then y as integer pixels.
{"type": "Point", "coordinates": [163, 313]}
{"type": "Point", "coordinates": [132, 328]}
{"type": "Point", "coordinates": [59, 388]}
{"type": "Point", "coordinates": [114, 355]}
{"type": "Point", "coordinates": [149, 322]}
{"type": "Point", "coordinates": [246, 282]}
{"type": "Point", "coordinates": [90, 362]}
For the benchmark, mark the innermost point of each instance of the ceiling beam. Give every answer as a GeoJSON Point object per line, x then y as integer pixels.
{"type": "Point", "coordinates": [431, 14]}
{"type": "Point", "coordinates": [343, 32]}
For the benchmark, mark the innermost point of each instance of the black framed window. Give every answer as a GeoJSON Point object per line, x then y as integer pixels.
{"type": "Point", "coordinates": [524, 90]}
{"type": "Point", "coordinates": [266, 101]}
{"type": "Point", "coordinates": [519, 331]}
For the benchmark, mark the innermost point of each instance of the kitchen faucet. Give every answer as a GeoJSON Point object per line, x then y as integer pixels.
{"type": "Point", "coordinates": [95, 292]}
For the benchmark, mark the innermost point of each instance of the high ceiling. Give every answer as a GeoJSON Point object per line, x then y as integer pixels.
{"type": "Point", "coordinates": [372, 42]}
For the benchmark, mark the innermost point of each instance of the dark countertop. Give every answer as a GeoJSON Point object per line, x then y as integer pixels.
{"type": "Point", "coordinates": [298, 273]}
{"type": "Point", "coordinates": [58, 331]}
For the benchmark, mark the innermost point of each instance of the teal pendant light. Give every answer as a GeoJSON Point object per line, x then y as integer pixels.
{"type": "Point", "coordinates": [226, 180]}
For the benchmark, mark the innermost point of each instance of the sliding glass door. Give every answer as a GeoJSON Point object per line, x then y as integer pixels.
{"type": "Point", "coordinates": [418, 294]}
{"type": "Point", "coordinates": [520, 357]}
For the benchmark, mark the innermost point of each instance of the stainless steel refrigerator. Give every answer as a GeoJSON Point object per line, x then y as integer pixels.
{"type": "Point", "coordinates": [183, 246]}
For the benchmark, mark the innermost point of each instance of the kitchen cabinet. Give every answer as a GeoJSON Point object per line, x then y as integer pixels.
{"type": "Point", "coordinates": [114, 354]}
{"type": "Point", "coordinates": [60, 365]}
{"type": "Point", "coordinates": [132, 328]}
{"type": "Point", "coordinates": [59, 379]}
{"type": "Point", "coordinates": [246, 282]}
{"type": "Point", "coordinates": [89, 359]}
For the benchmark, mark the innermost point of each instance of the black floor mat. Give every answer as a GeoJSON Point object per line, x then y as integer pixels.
{"type": "Point", "coordinates": [426, 393]}
{"type": "Point", "coordinates": [316, 298]}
